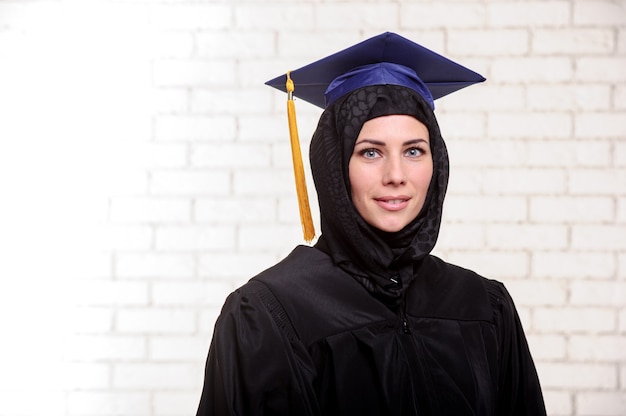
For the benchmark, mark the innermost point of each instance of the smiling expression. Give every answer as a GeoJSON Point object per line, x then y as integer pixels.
{"type": "Point", "coordinates": [390, 171]}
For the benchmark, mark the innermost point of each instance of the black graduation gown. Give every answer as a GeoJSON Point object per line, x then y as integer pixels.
{"type": "Point", "coordinates": [305, 338]}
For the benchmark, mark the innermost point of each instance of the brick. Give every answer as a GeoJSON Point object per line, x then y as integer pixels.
{"type": "Point", "coordinates": [564, 209]}
{"type": "Point", "coordinates": [176, 403]}
{"type": "Point", "coordinates": [255, 182]}
{"type": "Point", "coordinates": [621, 325]}
{"type": "Point", "coordinates": [528, 14]}
{"type": "Point", "coordinates": [156, 376]}
{"type": "Point", "coordinates": [190, 16]}
{"type": "Point", "coordinates": [341, 16]}
{"type": "Point", "coordinates": [264, 129]}
{"type": "Point", "coordinates": [598, 293]}
{"type": "Point", "coordinates": [600, 125]}
{"type": "Point", "coordinates": [436, 15]}
{"type": "Point", "coordinates": [573, 41]}
{"type": "Point", "coordinates": [241, 266]}
{"type": "Point", "coordinates": [492, 264]}
{"type": "Point", "coordinates": [544, 125]}
{"type": "Point", "coordinates": [235, 155]}
{"type": "Point", "coordinates": [547, 347]}
{"type": "Point", "coordinates": [190, 293]}
{"type": "Point", "coordinates": [193, 73]}
{"type": "Point", "coordinates": [601, 403]}
{"type": "Point", "coordinates": [619, 153]}
{"type": "Point", "coordinates": [230, 101]}
{"type": "Point", "coordinates": [110, 292]}
{"type": "Point", "coordinates": [465, 181]}
{"type": "Point", "coordinates": [597, 181]}
{"type": "Point", "coordinates": [155, 321]}
{"type": "Point", "coordinates": [603, 12]}
{"type": "Point", "coordinates": [149, 210]}
{"type": "Point", "coordinates": [484, 153]}
{"type": "Point", "coordinates": [509, 42]}
{"type": "Point", "coordinates": [597, 348]}
{"type": "Point", "coordinates": [570, 320]}
{"type": "Point", "coordinates": [105, 347]}
{"type": "Point", "coordinates": [258, 237]}
{"type": "Point", "coordinates": [569, 153]}
{"type": "Point", "coordinates": [235, 210]}
{"type": "Point", "coordinates": [621, 210]}
{"type": "Point", "coordinates": [531, 70]}
{"type": "Point", "coordinates": [461, 236]}
{"type": "Point", "coordinates": [621, 259]}
{"type": "Point", "coordinates": [573, 265]}
{"type": "Point", "coordinates": [97, 403]}
{"type": "Point", "coordinates": [270, 16]}
{"type": "Point", "coordinates": [179, 348]}
{"type": "Point", "coordinates": [577, 376]}
{"type": "Point", "coordinates": [83, 376]}
{"type": "Point", "coordinates": [598, 237]}
{"type": "Point", "coordinates": [538, 292]}
{"type": "Point", "coordinates": [195, 128]}
{"type": "Point", "coordinates": [323, 43]}
{"type": "Point", "coordinates": [524, 181]}
{"type": "Point", "coordinates": [241, 44]}
{"type": "Point", "coordinates": [568, 97]}
{"type": "Point", "coordinates": [485, 209]}
{"type": "Point", "coordinates": [613, 69]}
{"type": "Point", "coordinates": [191, 183]}
{"type": "Point", "coordinates": [153, 265]}
{"type": "Point", "coordinates": [196, 238]}
{"type": "Point", "coordinates": [558, 402]}
{"type": "Point", "coordinates": [485, 97]}
{"type": "Point", "coordinates": [526, 236]}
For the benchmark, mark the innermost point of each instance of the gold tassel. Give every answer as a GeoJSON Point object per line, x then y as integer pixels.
{"type": "Point", "coordinates": [298, 169]}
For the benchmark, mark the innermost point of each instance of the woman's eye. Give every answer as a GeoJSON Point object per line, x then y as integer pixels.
{"type": "Point", "coordinates": [414, 152]}
{"type": "Point", "coordinates": [369, 153]}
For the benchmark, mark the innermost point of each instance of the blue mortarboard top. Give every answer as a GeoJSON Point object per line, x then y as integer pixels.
{"type": "Point", "coordinates": [384, 59]}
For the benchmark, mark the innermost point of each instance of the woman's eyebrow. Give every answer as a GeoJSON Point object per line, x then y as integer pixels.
{"type": "Point", "coordinates": [415, 141]}
{"type": "Point", "coordinates": [380, 143]}
{"type": "Point", "coordinates": [370, 141]}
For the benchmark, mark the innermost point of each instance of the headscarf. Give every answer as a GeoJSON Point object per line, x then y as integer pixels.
{"type": "Point", "coordinates": [384, 263]}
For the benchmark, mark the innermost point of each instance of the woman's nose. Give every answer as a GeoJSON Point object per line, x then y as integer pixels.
{"type": "Point", "coordinates": [394, 172]}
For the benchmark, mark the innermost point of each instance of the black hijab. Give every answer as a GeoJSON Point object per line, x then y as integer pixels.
{"type": "Point", "coordinates": [385, 263]}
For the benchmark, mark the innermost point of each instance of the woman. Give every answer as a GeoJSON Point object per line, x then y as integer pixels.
{"type": "Point", "coordinates": [367, 322]}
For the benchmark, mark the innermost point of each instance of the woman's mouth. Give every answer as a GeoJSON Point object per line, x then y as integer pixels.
{"type": "Point", "coordinates": [393, 203]}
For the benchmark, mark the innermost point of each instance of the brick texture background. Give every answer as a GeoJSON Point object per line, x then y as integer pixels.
{"type": "Point", "coordinates": [145, 173]}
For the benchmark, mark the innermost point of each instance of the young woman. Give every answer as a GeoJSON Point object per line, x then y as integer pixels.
{"type": "Point", "coordinates": [367, 322]}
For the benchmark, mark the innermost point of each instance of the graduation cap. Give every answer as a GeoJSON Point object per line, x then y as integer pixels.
{"type": "Point", "coordinates": [386, 59]}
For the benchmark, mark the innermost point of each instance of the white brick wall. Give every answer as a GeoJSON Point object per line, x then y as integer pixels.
{"type": "Point", "coordinates": [145, 173]}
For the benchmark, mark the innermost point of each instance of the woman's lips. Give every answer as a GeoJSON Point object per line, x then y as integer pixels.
{"type": "Point", "coordinates": [393, 203]}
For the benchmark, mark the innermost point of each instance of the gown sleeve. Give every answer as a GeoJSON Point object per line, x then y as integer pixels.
{"type": "Point", "coordinates": [255, 366]}
{"type": "Point", "coordinates": [520, 391]}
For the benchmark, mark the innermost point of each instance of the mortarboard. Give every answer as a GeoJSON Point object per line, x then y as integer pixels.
{"type": "Point", "coordinates": [381, 60]}
{"type": "Point", "coordinates": [384, 59]}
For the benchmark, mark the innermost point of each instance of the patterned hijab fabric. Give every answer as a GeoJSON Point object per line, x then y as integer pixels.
{"type": "Point", "coordinates": [384, 263]}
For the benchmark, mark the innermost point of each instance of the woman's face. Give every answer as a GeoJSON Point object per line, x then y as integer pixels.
{"type": "Point", "coordinates": [390, 171]}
